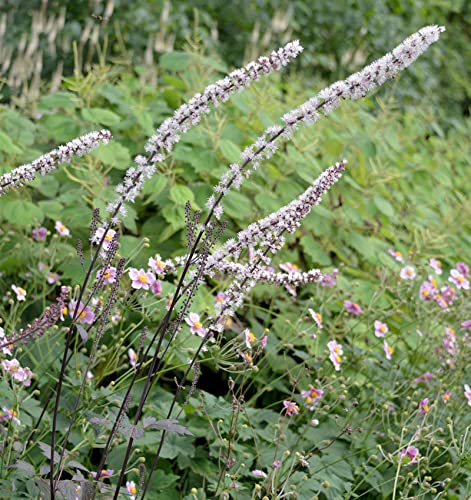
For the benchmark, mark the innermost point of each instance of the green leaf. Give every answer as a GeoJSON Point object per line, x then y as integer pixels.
{"type": "Point", "coordinates": [61, 128]}
{"type": "Point", "coordinates": [113, 154]}
{"type": "Point", "coordinates": [65, 100]}
{"type": "Point", "coordinates": [230, 151]}
{"type": "Point", "coordinates": [237, 205]}
{"type": "Point", "coordinates": [383, 205]}
{"type": "Point", "coordinates": [101, 115]}
{"type": "Point", "coordinates": [174, 61]}
{"type": "Point", "coordinates": [7, 145]}
{"type": "Point", "coordinates": [315, 251]}
{"type": "Point", "coordinates": [21, 213]}
{"type": "Point", "coordinates": [181, 194]}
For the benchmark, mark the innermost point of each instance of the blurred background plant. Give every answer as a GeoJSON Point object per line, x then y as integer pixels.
{"type": "Point", "coordinates": [42, 40]}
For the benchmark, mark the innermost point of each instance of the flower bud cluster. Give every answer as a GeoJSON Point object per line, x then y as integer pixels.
{"type": "Point", "coordinates": [47, 162]}
{"type": "Point", "coordinates": [355, 86]}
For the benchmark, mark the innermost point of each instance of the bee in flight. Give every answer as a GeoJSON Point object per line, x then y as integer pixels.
{"type": "Point", "coordinates": [100, 18]}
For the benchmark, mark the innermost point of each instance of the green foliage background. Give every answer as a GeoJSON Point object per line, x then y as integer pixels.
{"type": "Point", "coordinates": [407, 187]}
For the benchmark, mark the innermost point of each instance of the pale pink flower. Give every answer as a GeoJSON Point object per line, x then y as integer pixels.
{"type": "Point", "coordinates": [467, 393]}
{"type": "Point", "coordinates": [131, 488]}
{"type": "Point", "coordinates": [85, 315]}
{"type": "Point", "coordinates": [426, 291]}
{"type": "Point", "coordinates": [61, 228]}
{"type": "Point", "coordinates": [259, 473]}
{"type": "Point", "coordinates": [289, 268]}
{"type": "Point", "coordinates": [264, 341]}
{"type": "Point", "coordinates": [291, 408]}
{"type": "Point", "coordinates": [436, 265]}
{"type": "Point", "coordinates": [20, 293]}
{"type": "Point", "coordinates": [466, 325]}
{"type": "Point", "coordinates": [424, 407]}
{"type": "Point", "coordinates": [448, 294]}
{"type": "Point", "coordinates": [107, 240]}
{"type": "Point", "coordinates": [108, 275]}
{"type": "Point", "coordinates": [336, 352]}
{"type": "Point", "coordinates": [157, 264]}
{"type": "Point", "coordinates": [407, 273]}
{"type": "Point", "coordinates": [141, 279]}
{"type": "Point", "coordinates": [52, 278]}
{"type": "Point", "coordinates": [104, 473]}
{"type": "Point", "coordinates": [219, 299]}
{"type": "Point", "coordinates": [195, 324]}
{"type": "Point", "coordinates": [409, 455]}
{"type": "Point", "coordinates": [462, 268]}
{"type": "Point", "coordinates": [352, 308]}
{"type": "Point", "coordinates": [317, 317]}
{"type": "Point", "coordinates": [5, 349]}
{"type": "Point", "coordinates": [396, 254]}
{"type": "Point", "coordinates": [39, 234]}
{"type": "Point", "coordinates": [249, 338]}
{"type": "Point", "coordinates": [388, 350]}
{"type": "Point", "coordinates": [458, 279]}
{"type": "Point", "coordinates": [132, 357]}
{"type": "Point", "coordinates": [156, 288]}
{"type": "Point", "coordinates": [311, 397]}
{"type": "Point", "coordinates": [380, 328]}
{"type": "Point", "coordinates": [426, 377]}
{"type": "Point", "coordinates": [276, 464]}
{"type": "Point", "coordinates": [7, 414]}
{"type": "Point", "coordinates": [446, 396]}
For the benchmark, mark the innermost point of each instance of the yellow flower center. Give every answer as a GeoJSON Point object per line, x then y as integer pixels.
{"type": "Point", "coordinates": [382, 328]}
{"type": "Point", "coordinates": [251, 338]}
{"type": "Point", "coordinates": [82, 314]}
{"type": "Point", "coordinates": [197, 325]}
{"type": "Point", "coordinates": [390, 349]}
{"type": "Point", "coordinates": [446, 397]}
{"type": "Point", "coordinates": [106, 274]}
{"type": "Point", "coordinates": [143, 278]}
{"type": "Point", "coordinates": [133, 490]}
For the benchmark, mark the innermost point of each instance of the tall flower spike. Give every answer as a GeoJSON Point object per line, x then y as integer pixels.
{"type": "Point", "coordinates": [189, 114]}
{"type": "Point", "coordinates": [45, 163]}
{"type": "Point", "coordinates": [354, 87]}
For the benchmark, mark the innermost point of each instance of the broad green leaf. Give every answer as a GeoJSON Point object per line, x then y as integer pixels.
{"type": "Point", "coordinates": [21, 212]}
{"type": "Point", "coordinates": [383, 205]}
{"type": "Point", "coordinates": [101, 115]}
{"type": "Point", "coordinates": [181, 194]}
{"type": "Point", "coordinates": [174, 61]}
{"type": "Point", "coordinates": [64, 100]}
{"type": "Point", "coordinates": [230, 151]}
{"type": "Point", "coordinates": [113, 154]}
{"type": "Point", "coordinates": [6, 145]}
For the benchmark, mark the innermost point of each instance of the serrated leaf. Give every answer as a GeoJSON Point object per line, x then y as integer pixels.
{"type": "Point", "coordinates": [101, 115]}
{"type": "Point", "coordinates": [113, 154]}
{"type": "Point", "coordinates": [181, 194]}
{"type": "Point", "coordinates": [230, 151]}
{"type": "Point", "coordinates": [169, 425]}
{"type": "Point", "coordinates": [24, 466]}
{"type": "Point", "coordinates": [132, 431]}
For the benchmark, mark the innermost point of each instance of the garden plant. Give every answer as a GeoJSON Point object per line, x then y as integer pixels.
{"type": "Point", "coordinates": [150, 346]}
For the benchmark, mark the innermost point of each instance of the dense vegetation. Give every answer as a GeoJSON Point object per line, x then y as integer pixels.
{"type": "Point", "coordinates": [392, 422]}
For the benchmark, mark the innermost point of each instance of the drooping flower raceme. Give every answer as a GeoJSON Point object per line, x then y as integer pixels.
{"type": "Point", "coordinates": [188, 115]}
{"type": "Point", "coordinates": [49, 161]}
{"type": "Point", "coordinates": [354, 87]}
